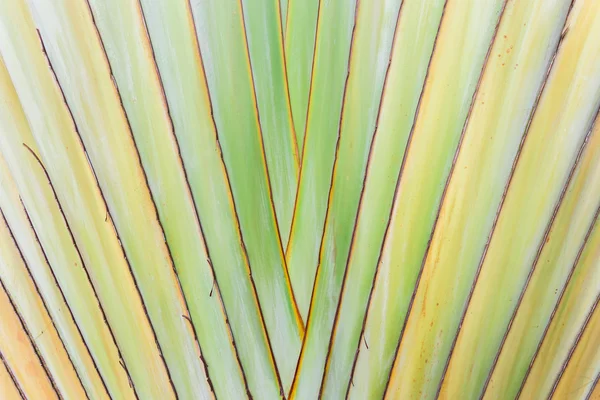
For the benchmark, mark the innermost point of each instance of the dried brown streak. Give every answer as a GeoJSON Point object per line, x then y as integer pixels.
{"type": "Point", "coordinates": [593, 387]}
{"type": "Point", "coordinates": [83, 265]}
{"type": "Point", "coordinates": [26, 330]}
{"type": "Point", "coordinates": [396, 190]}
{"type": "Point", "coordinates": [43, 301]}
{"type": "Point", "coordinates": [234, 211]}
{"type": "Point", "coordinates": [310, 87]}
{"type": "Point", "coordinates": [358, 213]}
{"type": "Point", "coordinates": [108, 212]}
{"type": "Point", "coordinates": [558, 302]}
{"type": "Point", "coordinates": [329, 197]}
{"type": "Point", "coordinates": [270, 192]}
{"type": "Point", "coordinates": [566, 361]}
{"type": "Point", "coordinates": [64, 299]}
{"type": "Point", "coordinates": [547, 230]}
{"type": "Point", "coordinates": [13, 378]}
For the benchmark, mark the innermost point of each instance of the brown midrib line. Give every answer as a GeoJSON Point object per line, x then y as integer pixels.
{"type": "Point", "coordinates": [109, 215]}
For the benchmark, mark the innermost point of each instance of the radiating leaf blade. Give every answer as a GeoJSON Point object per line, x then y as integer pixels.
{"type": "Point", "coordinates": [265, 46]}
{"type": "Point", "coordinates": [330, 70]}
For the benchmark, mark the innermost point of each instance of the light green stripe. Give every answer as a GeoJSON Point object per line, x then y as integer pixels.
{"type": "Point", "coordinates": [371, 47]}
{"type": "Point", "coordinates": [331, 68]}
{"type": "Point", "coordinates": [300, 31]}
{"type": "Point", "coordinates": [263, 27]}
{"type": "Point", "coordinates": [230, 83]}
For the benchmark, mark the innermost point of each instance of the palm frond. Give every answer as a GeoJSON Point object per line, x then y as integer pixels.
{"type": "Point", "coordinates": [337, 199]}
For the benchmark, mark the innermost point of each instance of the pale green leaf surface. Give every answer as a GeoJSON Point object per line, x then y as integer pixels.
{"type": "Point", "coordinates": [265, 45]}
{"type": "Point", "coordinates": [332, 53]}
{"type": "Point", "coordinates": [182, 74]}
{"type": "Point", "coordinates": [416, 31]}
{"type": "Point", "coordinates": [125, 39]}
{"type": "Point", "coordinates": [438, 239]}
{"type": "Point", "coordinates": [368, 65]}
{"type": "Point", "coordinates": [300, 35]}
{"type": "Point", "coordinates": [234, 104]}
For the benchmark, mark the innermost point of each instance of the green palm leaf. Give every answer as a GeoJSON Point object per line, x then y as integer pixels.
{"type": "Point", "coordinates": [269, 199]}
